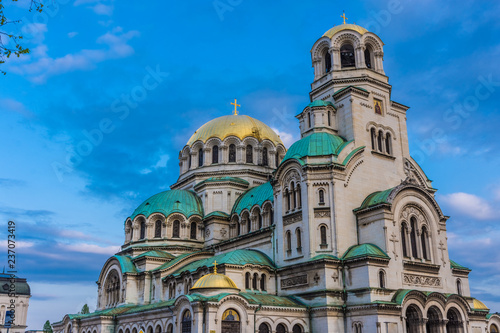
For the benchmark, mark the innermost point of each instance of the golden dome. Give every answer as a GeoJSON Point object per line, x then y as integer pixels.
{"type": "Point", "coordinates": [478, 305]}
{"type": "Point", "coordinates": [214, 281]}
{"type": "Point", "coordinates": [342, 27]}
{"type": "Point", "coordinates": [240, 126]}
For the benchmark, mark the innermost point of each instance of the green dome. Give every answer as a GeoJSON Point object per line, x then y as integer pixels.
{"type": "Point", "coordinates": [316, 144]}
{"type": "Point", "coordinates": [21, 286]}
{"type": "Point", "coordinates": [364, 251]}
{"type": "Point", "coordinates": [168, 202]}
{"type": "Point", "coordinates": [254, 196]}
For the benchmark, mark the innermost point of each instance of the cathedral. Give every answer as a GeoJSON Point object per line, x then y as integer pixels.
{"type": "Point", "coordinates": [339, 233]}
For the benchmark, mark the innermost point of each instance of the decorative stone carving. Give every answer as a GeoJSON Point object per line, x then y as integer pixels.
{"type": "Point", "coordinates": [223, 232]}
{"type": "Point", "coordinates": [207, 233]}
{"type": "Point", "coordinates": [422, 280]}
{"type": "Point", "coordinates": [322, 212]}
{"type": "Point", "coordinates": [292, 218]}
{"type": "Point", "coordinates": [295, 281]}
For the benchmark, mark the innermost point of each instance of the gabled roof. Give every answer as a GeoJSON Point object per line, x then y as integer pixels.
{"type": "Point", "coordinates": [364, 251]}
{"type": "Point", "coordinates": [376, 198]}
{"type": "Point", "coordinates": [155, 254]}
{"type": "Point", "coordinates": [168, 202]}
{"type": "Point", "coordinates": [254, 196]}
{"type": "Point", "coordinates": [320, 102]}
{"type": "Point", "coordinates": [126, 264]}
{"type": "Point", "coordinates": [455, 265]}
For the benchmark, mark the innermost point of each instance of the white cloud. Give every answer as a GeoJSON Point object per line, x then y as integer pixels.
{"type": "Point", "coordinates": [90, 248]}
{"type": "Point", "coordinates": [72, 34]}
{"type": "Point", "coordinates": [44, 67]}
{"type": "Point", "coordinates": [15, 106]}
{"type": "Point", "coordinates": [162, 163]}
{"type": "Point", "coordinates": [18, 244]}
{"type": "Point", "coordinates": [287, 138]}
{"type": "Point", "coordinates": [496, 193]}
{"type": "Point", "coordinates": [470, 205]}
{"type": "Point", "coordinates": [102, 9]}
{"type": "Point", "coordinates": [74, 234]}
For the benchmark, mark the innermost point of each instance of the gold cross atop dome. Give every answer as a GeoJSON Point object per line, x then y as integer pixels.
{"type": "Point", "coordinates": [343, 16]}
{"type": "Point", "coordinates": [235, 112]}
{"type": "Point", "coordinates": [215, 263]}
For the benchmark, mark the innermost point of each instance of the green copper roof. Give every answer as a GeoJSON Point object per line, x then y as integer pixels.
{"type": "Point", "coordinates": [236, 257]}
{"type": "Point", "coordinates": [223, 179]}
{"type": "Point", "coordinates": [316, 144]}
{"type": "Point", "coordinates": [156, 254]}
{"type": "Point", "coordinates": [324, 256]}
{"type": "Point", "coordinates": [364, 251]}
{"type": "Point", "coordinates": [22, 287]}
{"type": "Point", "coordinates": [456, 265]}
{"type": "Point", "coordinates": [254, 196]}
{"type": "Point", "coordinates": [271, 300]}
{"type": "Point", "coordinates": [172, 262]}
{"type": "Point", "coordinates": [375, 198]}
{"type": "Point", "coordinates": [218, 214]}
{"type": "Point", "coordinates": [168, 202]}
{"type": "Point", "coordinates": [320, 102]}
{"type": "Point", "coordinates": [126, 264]}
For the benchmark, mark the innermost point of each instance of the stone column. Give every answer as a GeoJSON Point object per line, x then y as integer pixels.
{"type": "Point", "coordinates": [147, 288]}
{"type": "Point", "coordinates": [335, 51]}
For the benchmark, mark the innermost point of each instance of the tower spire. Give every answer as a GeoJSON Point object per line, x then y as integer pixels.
{"type": "Point", "coordinates": [215, 267]}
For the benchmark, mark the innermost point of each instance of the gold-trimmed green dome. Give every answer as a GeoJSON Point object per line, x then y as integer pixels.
{"type": "Point", "coordinates": [241, 126]}
{"type": "Point", "coordinates": [214, 281]}
{"type": "Point", "coordinates": [342, 27]}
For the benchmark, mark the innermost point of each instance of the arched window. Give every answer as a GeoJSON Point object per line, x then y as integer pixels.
{"type": "Point", "coordinates": [287, 199]}
{"type": "Point", "coordinates": [215, 155]}
{"type": "Point", "coordinates": [381, 279]}
{"type": "Point", "coordinates": [176, 229]}
{"type": "Point", "coordinates": [143, 230]}
{"type": "Point", "coordinates": [309, 119]}
{"type": "Point", "coordinates": [493, 328]}
{"type": "Point", "coordinates": [247, 280]}
{"type": "Point", "coordinates": [298, 235]}
{"type": "Point", "coordinates": [280, 328]}
{"type": "Point", "coordinates": [321, 194]}
{"type": "Point", "coordinates": [459, 287]}
{"type": "Point", "coordinates": [130, 230]}
{"type": "Point", "coordinates": [201, 157]}
{"type": "Point", "coordinates": [294, 196]}
{"type": "Point", "coordinates": [230, 321]}
{"type": "Point", "coordinates": [238, 226]}
{"type": "Point", "coordinates": [255, 280]}
{"type": "Point", "coordinates": [374, 138]}
{"type": "Point", "coordinates": [249, 153]}
{"type": "Point", "coordinates": [297, 329]}
{"type": "Point", "coordinates": [454, 324]}
{"type": "Point", "coordinates": [423, 238]}
{"type": "Point", "coordinates": [272, 216]}
{"type": "Point", "coordinates": [347, 58]}
{"type": "Point", "coordinates": [388, 148]}
{"type": "Point", "coordinates": [412, 320]}
{"type": "Point", "coordinates": [380, 137]}
{"type": "Point", "coordinates": [192, 233]}
{"type": "Point", "coordinates": [158, 229]}
{"type": "Point", "coordinates": [329, 118]}
{"type": "Point", "coordinates": [186, 322]}
{"type": "Point", "coordinates": [260, 220]}
{"type": "Point", "coordinates": [158, 329]}
{"type": "Point", "coordinates": [277, 158]}
{"type": "Point", "coordinates": [323, 238]}
{"type": "Point", "coordinates": [170, 328]}
{"type": "Point", "coordinates": [433, 320]}
{"type": "Point", "coordinates": [112, 289]}
{"type": "Point", "coordinates": [299, 196]}
{"type": "Point", "coordinates": [328, 62]}
{"type": "Point", "coordinates": [404, 232]}
{"type": "Point", "coordinates": [288, 241]}
{"type": "Point", "coordinates": [413, 237]}
{"type": "Point", "coordinates": [189, 161]}
{"type": "Point", "coordinates": [265, 160]}
{"type": "Point", "coordinates": [232, 153]}
{"type": "Point", "coordinates": [263, 282]}
{"type": "Point", "coordinates": [368, 58]}
{"type": "Point", "coordinates": [264, 328]}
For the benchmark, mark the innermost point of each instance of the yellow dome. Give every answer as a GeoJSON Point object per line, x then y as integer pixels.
{"type": "Point", "coordinates": [240, 126]}
{"type": "Point", "coordinates": [341, 27]}
{"type": "Point", "coordinates": [478, 305]}
{"type": "Point", "coordinates": [214, 281]}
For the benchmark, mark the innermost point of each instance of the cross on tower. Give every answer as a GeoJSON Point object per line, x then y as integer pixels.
{"type": "Point", "coordinates": [215, 267]}
{"type": "Point", "coordinates": [343, 16]}
{"type": "Point", "coordinates": [235, 112]}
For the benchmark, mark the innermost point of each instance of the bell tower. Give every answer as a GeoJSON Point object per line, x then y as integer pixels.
{"type": "Point", "coordinates": [349, 73]}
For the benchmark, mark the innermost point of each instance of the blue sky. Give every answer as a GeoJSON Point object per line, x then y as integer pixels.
{"type": "Point", "coordinates": [146, 77]}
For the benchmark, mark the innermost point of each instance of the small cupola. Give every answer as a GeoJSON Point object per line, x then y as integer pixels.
{"type": "Point", "coordinates": [214, 283]}
{"type": "Point", "coordinates": [319, 116]}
